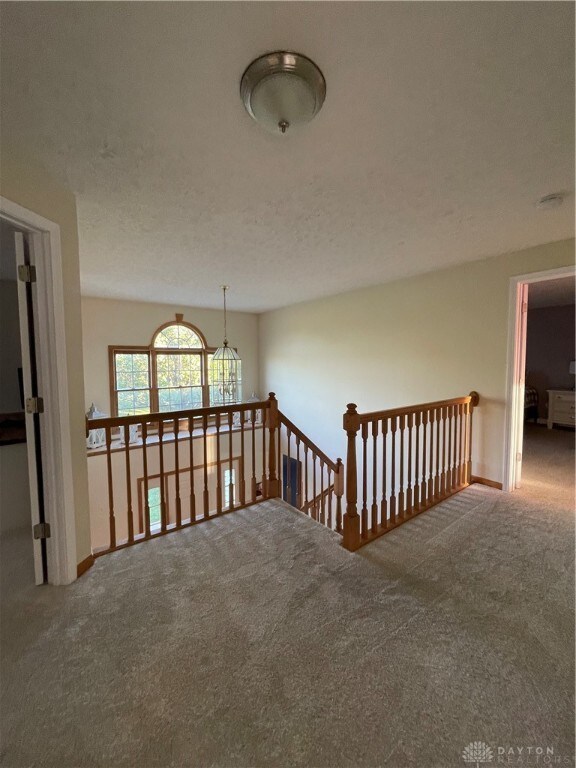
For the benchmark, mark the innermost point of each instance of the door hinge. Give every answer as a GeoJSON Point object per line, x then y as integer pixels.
{"type": "Point", "coordinates": [34, 405]}
{"type": "Point", "coordinates": [518, 457]}
{"type": "Point", "coordinates": [524, 306]}
{"type": "Point", "coordinates": [41, 531]}
{"type": "Point", "coordinates": [27, 273]}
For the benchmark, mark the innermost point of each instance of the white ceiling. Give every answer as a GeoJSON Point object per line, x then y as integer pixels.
{"type": "Point", "coordinates": [551, 293]}
{"type": "Point", "coordinates": [443, 124]}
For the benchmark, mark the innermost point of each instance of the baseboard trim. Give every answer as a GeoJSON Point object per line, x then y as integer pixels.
{"type": "Point", "coordinates": [82, 567]}
{"type": "Point", "coordinates": [485, 481]}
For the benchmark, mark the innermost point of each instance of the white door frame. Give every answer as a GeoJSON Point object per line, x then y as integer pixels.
{"type": "Point", "coordinates": [514, 414]}
{"type": "Point", "coordinates": [53, 386]}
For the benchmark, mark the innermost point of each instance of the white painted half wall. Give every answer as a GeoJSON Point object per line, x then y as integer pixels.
{"type": "Point", "coordinates": [112, 322]}
{"type": "Point", "coordinates": [430, 337]}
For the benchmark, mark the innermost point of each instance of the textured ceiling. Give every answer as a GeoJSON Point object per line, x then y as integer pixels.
{"type": "Point", "coordinates": [443, 123]}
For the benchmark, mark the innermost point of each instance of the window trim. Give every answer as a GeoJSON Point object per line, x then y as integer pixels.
{"type": "Point", "coordinates": [204, 352]}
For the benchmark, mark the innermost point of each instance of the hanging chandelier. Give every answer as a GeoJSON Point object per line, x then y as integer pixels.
{"type": "Point", "coordinates": [226, 378]}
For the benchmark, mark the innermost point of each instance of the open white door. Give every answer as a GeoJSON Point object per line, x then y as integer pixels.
{"type": "Point", "coordinates": [31, 397]}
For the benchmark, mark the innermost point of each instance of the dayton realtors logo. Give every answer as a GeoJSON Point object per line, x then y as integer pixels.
{"type": "Point", "coordinates": [477, 752]}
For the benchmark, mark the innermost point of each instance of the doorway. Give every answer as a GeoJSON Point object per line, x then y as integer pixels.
{"type": "Point", "coordinates": [539, 454]}
{"type": "Point", "coordinates": [45, 255]}
{"type": "Point", "coordinates": [22, 515]}
{"type": "Point", "coordinates": [290, 480]}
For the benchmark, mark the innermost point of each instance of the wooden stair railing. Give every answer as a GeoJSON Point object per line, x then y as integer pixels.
{"type": "Point", "coordinates": [408, 459]}
{"type": "Point", "coordinates": [205, 462]}
{"type": "Point", "coordinates": [319, 479]}
{"type": "Point", "coordinates": [199, 464]}
{"type": "Point", "coordinates": [184, 455]}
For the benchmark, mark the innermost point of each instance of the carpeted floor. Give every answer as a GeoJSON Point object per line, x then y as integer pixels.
{"type": "Point", "coordinates": [548, 465]}
{"type": "Point", "coordinates": [256, 640]}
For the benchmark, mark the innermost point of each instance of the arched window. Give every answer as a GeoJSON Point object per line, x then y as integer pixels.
{"type": "Point", "coordinates": [174, 373]}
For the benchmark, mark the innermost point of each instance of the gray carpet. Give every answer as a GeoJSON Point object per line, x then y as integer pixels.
{"type": "Point", "coordinates": [256, 640]}
{"type": "Point", "coordinates": [548, 465]}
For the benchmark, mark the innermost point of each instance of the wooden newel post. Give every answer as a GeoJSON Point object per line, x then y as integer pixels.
{"type": "Point", "coordinates": [351, 538]}
{"type": "Point", "coordinates": [474, 400]}
{"type": "Point", "coordinates": [272, 489]}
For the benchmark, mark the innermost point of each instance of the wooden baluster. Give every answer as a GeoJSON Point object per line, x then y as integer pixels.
{"type": "Point", "coordinates": [242, 463]}
{"type": "Point", "coordinates": [230, 465]}
{"type": "Point", "coordinates": [457, 448]}
{"type": "Point", "coordinates": [450, 481]}
{"type": "Point", "coordinates": [192, 493]}
{"type": "Point", "coordinates": [273, 423]}
{"type": "Point", "coordinates": [298, 478]}
{"type": "Point", "coordinates": [436, 483]}
{"type": "Point", "coordinates": [163, 508]}
{"type": "Point", "coordinates": [374, 508]}
{"type": "Point", "coordinates": [393, 427]}
{"type": "Point", "coordinates": [306, 502]}
{"type": "Point", "coordinates": [364, 515]}
{"type": "Point", "coordinates": [424, 485]}
{"type": "Point", "coordinates": [279, 458]}
{"type": "Point", "coordinates": [401, 505]}
{"type": "Point", "coordinates": [177, 473]}
{"type": "Point", "coordinates": [351, 538]}
{"type": "Point", "coordinates": [145, 470]}
{"type": "Point", "coordinates": [329, 521]}
{"type": "Point", "coordinates": [417, 422]}
{"type": "Point", "coordinates": [206, 493]}
{"type": "Point", "coordinates": [253, 454]}
{"type": "Point", "coordinates": [129, 511]}
{"type": "Point", "coordinates": [322, 499]}
{"type": "Point", "coordinates": [384, 502]}
{"type": "Point", "coordinates": [339, 491]}
{"type": "Point", "coordinates": [111, 517]}
{"type": "Point", "coordinates": [443, 415]}
{"type": "Point", "coordinates": [462, 441]}
{"type": "Point", "coordinates": [314, 495]}
{"type": "Point", "coordinates": [218, 468]}
{"type": "Point", "coordinates": [465, 455]}
{"type": "Point", "coordinates": [409, 501]}
{"type": "Point", "coordinates": [264, 477]}
{"type": "Point", "coordinates": [432, 417]}
{"type": "Point", "coordinates": [288, 477]}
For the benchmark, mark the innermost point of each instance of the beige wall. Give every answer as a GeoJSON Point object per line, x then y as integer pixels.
{"type": "Point", "coordinates": [108, 321]}
{"type": "Point", "coordinates": [430, 337]}
{"type": "Point", "coordinates": [29, 185]}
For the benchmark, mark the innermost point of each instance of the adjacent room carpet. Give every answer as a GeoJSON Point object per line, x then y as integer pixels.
{"type": "Point", "coordinates": [256, 640]}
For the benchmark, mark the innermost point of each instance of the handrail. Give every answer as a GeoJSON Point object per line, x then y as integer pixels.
{"type": "Point", "coordinates": [318, 499]}
{"type": "Point", "coordinates": [406, 460]}
{"type": "Point", "coordinates": [148, 418]}
{"type": "Point", "coordinates": [473, 398]}
{"type": "Point", "coordinates": [306, 440]}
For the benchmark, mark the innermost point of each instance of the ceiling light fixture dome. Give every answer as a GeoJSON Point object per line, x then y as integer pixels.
{"type": "Point", "coordinates": [282, 90]}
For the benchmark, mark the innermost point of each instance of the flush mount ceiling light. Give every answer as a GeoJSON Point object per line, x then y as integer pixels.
{"type": "Point", "coordinates": [282, 90]}
{"type": "Point", "coordinates": [550, 201]}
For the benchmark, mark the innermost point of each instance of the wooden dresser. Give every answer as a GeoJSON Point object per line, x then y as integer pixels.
{"type": "Point", "coordinates": [561, 407]}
